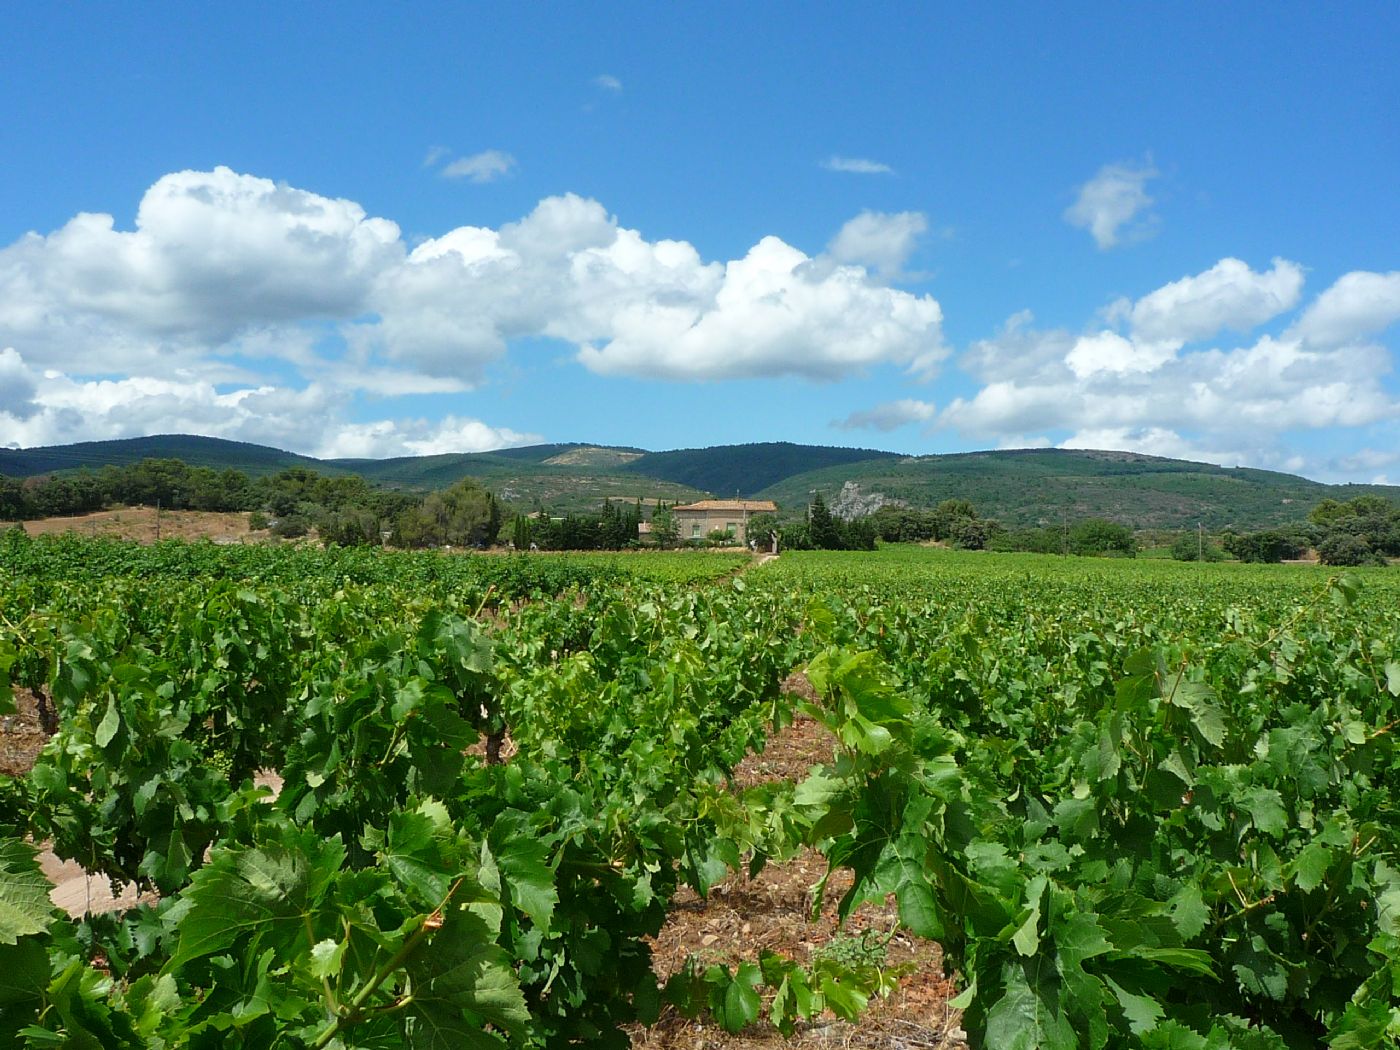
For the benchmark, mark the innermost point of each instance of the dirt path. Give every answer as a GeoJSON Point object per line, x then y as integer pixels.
{"type": "Point", "coordinates": [772, 911]}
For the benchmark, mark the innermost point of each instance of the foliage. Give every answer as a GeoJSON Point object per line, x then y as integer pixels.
{"type": "Point", "coordinates": [1190, 546]}
{"type": "Point", "coordinates": [1341, 549]}
{"type": "Point", "coordinates": [1100, 536]}
{"type": "Point", "coordinates": [1263, 547]}
{"type": "Point", "coordinates": [1139, 806]}
{"type": "Point", "coordinates": [465, 515]}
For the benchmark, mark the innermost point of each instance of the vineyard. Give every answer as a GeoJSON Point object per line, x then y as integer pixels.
{"type": "Point", "coordinates": [1137, 805]}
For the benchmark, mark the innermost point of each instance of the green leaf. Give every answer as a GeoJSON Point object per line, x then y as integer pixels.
{"type": "Point", "coordinates": [740, 1003]}
{"type": "Point", "coordinates": [918, 910]}
{"type": "Point", "coordinates": [1206, 716]}
{"type": "Point", "coordinates": [24, 973]}
{"type": "Point", "coordinates": [326, 956]}
{"type": "Point", "coordinates": [25, 908]}
{"type": "Point", "coordinates": [242, 892]}
{"type": "Point", "coordinates": [1142, 1011]}
{"type": "Point", "coordinates": [1027, 938]}
{"type": "Point", "coordinates": [111, 722]}
{"type": "Point", "coordinates": [1310, 869]}
{"type": "Point", "coordinates": [1392, 677]}
{"type": "Point", "coordinates": [1188, 911]}
{"type": "Point", "coordinates": [523, 860]}
{"type": "Point", "coordinates": [1028, 1014]}
{"type": "Point", "coordinates": [1265, 807]}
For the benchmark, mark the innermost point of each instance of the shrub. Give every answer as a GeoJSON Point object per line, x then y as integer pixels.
{"type": "Point", "coordinates": [1341, 549]}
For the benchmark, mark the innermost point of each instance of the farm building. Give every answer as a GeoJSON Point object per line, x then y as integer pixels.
{"type": "Point", "coordinates": [698, 520]}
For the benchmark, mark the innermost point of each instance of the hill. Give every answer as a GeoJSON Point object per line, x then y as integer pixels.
{"type": "Point", "coordinates": [1028, 487]}
{"type": "Point", "coordinates": [1018, 487]}
{"type": "Point", "coordinates": [744, 470]}
{"type": "Point", "coordinates": [217, 453]}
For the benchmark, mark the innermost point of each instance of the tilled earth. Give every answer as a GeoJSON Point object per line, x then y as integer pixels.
{"type": "Point", "coordinates": [743, 916]}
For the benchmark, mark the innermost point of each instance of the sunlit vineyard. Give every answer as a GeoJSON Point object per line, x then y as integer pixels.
{"type": "Point", "coordinates": [1137, 804]}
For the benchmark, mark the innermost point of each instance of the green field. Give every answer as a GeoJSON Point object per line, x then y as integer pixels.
{"type": "Point", "coordinates": [1138, 803]}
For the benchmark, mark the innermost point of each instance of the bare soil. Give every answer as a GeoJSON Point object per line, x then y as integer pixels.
{"type": "Point", "coordinates": [22, 736]}
{"type": "Point", "coordinates": [773, 911]}
{"type": "Point", "coordinates": [140, 523]}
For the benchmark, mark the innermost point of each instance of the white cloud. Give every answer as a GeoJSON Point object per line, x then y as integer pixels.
{"type": "Point", "coordinates": [59, 409]}
{"type": "Point", "coordinates": [486, 166]}
{"type": "Point", "coordinates": [17, 386]}
{"type": "Point", "coordinates": [889, 416]}
{"type": "Point", "coordinates": [435, 155]}
{"type": "Point", "coordinates": [607, 82]}
{"type": "Point", "coordinates": [879, 241]}
{"type": "Point", "coordinates": [856, 166]}
{"type": "Point", "coordinates": [386, 438]}
{"type": "Point", "coordinates": [772, 313]}
{"type": "Point", "coordinates": [1110, 352]}
{"type": "Point", "coordinates": [1152, 441]}
{"type": "Point", "coordinates": [225, 273]}
{"type": "Point", "coordinates": [1112, 199]}
{"type": "Point", "coordinates": [1359, 304]}
{"type": "Point", "coordinates": [641, 308]}
{"type": "Point", "coordinates": [212, 254]}
{"type": "Point", "coordinates": [1227, 296]}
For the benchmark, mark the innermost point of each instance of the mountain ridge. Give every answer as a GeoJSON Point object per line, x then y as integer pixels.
{"type": "Point", "coordinates": [1021, 487]}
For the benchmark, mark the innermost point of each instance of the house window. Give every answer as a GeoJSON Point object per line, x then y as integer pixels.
{"type": "Point", "coordinates": [731, 527]}
{"type": "Point", "coordinates": [695, 531]}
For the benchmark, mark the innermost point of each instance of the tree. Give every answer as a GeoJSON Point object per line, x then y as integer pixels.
{"type": "Point", "coordinates": [465, 515]}
{"type": "Point", "coordinates": [1340, 549]}
{"type": "Point", "coordinates": [1265, 547]}
{"type": "Point", "coordinates": [664, 527]}
{"type": "Point", "coordinates": [1100, 536]}
{"type": "Point", "coordinates": [822, 530]}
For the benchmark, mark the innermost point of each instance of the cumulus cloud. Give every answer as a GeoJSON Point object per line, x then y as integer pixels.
{"type": "Point", "coordinates": [57, 409]}
{"type": "Point", "coordinates": [224, 271]}
{"type": "Point", "coordinates": [607, 82]}
{"type": "Point", "coordinates": [417, 437]}
{"type": "Point", "coordinates": [772, 313]}
{"type": "Point", "coordinates": [17, 386]}
{"type": "Point", "coordinates": [1227, 296]}
{"type": "Point", "coordinates": [486, 166]}
{"type": "Point", "coordinates": [213, 254]}
{"type": "Point", "coordinates": [856, 166]}
{"type": "Point", "coordinates": [889, 416]}
{"type": "Point", "coordinates": [1359, 304]}
{"type": "Point", "coordinates": [1233, 404]}
{"type": "Point", "coordinates": [642, 308]}
{"type": "Point", "coordinates": [1112, 200]}
{"type": "Point", "coordinates": [879, 241]}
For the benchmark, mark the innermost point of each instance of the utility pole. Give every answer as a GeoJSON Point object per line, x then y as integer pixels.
{"type": "Point", "coordinates": [1200, 542]}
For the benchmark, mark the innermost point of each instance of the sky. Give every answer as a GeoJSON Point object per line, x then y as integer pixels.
{"type": "Point", "coordinates": [361, 229]}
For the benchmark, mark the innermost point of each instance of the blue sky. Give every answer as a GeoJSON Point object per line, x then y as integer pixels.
{"type": "Point", "coordinates": [368, 230]}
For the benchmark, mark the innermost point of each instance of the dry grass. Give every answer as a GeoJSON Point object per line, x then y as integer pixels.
{"type": "Point", "coordinates": [139, 523]}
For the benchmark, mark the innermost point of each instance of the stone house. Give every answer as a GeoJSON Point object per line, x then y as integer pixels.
{"type": "Point", "coordinates": [697, 520]}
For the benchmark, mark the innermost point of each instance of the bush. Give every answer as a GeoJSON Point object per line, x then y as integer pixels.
{"type": "Point", "coordinates": [1189, 547]}
{"type": "Point", "coordinates": [1263, 547]}
{"type": "Point", "coordinates": [1341, 549]}
{"type": "Point", "coordinates": [257, 521]}
{"type": "Point", "coordinates": [291, 526]}
{"type": "Point", "coordinates": [1100, 536]}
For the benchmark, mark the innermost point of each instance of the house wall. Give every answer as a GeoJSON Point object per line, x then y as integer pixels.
{"type": "Point", "coordinates": [696, 525]}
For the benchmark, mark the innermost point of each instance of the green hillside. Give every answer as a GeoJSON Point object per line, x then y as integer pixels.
{"type": "Point", "coordinates": [1043, 486]}
{"type": "Point", "coordinates": [744, 470]}
{"type": "Point", "coordinates": [1020, 487]}
{"type": "Point", "coordinates": [217, 453]}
